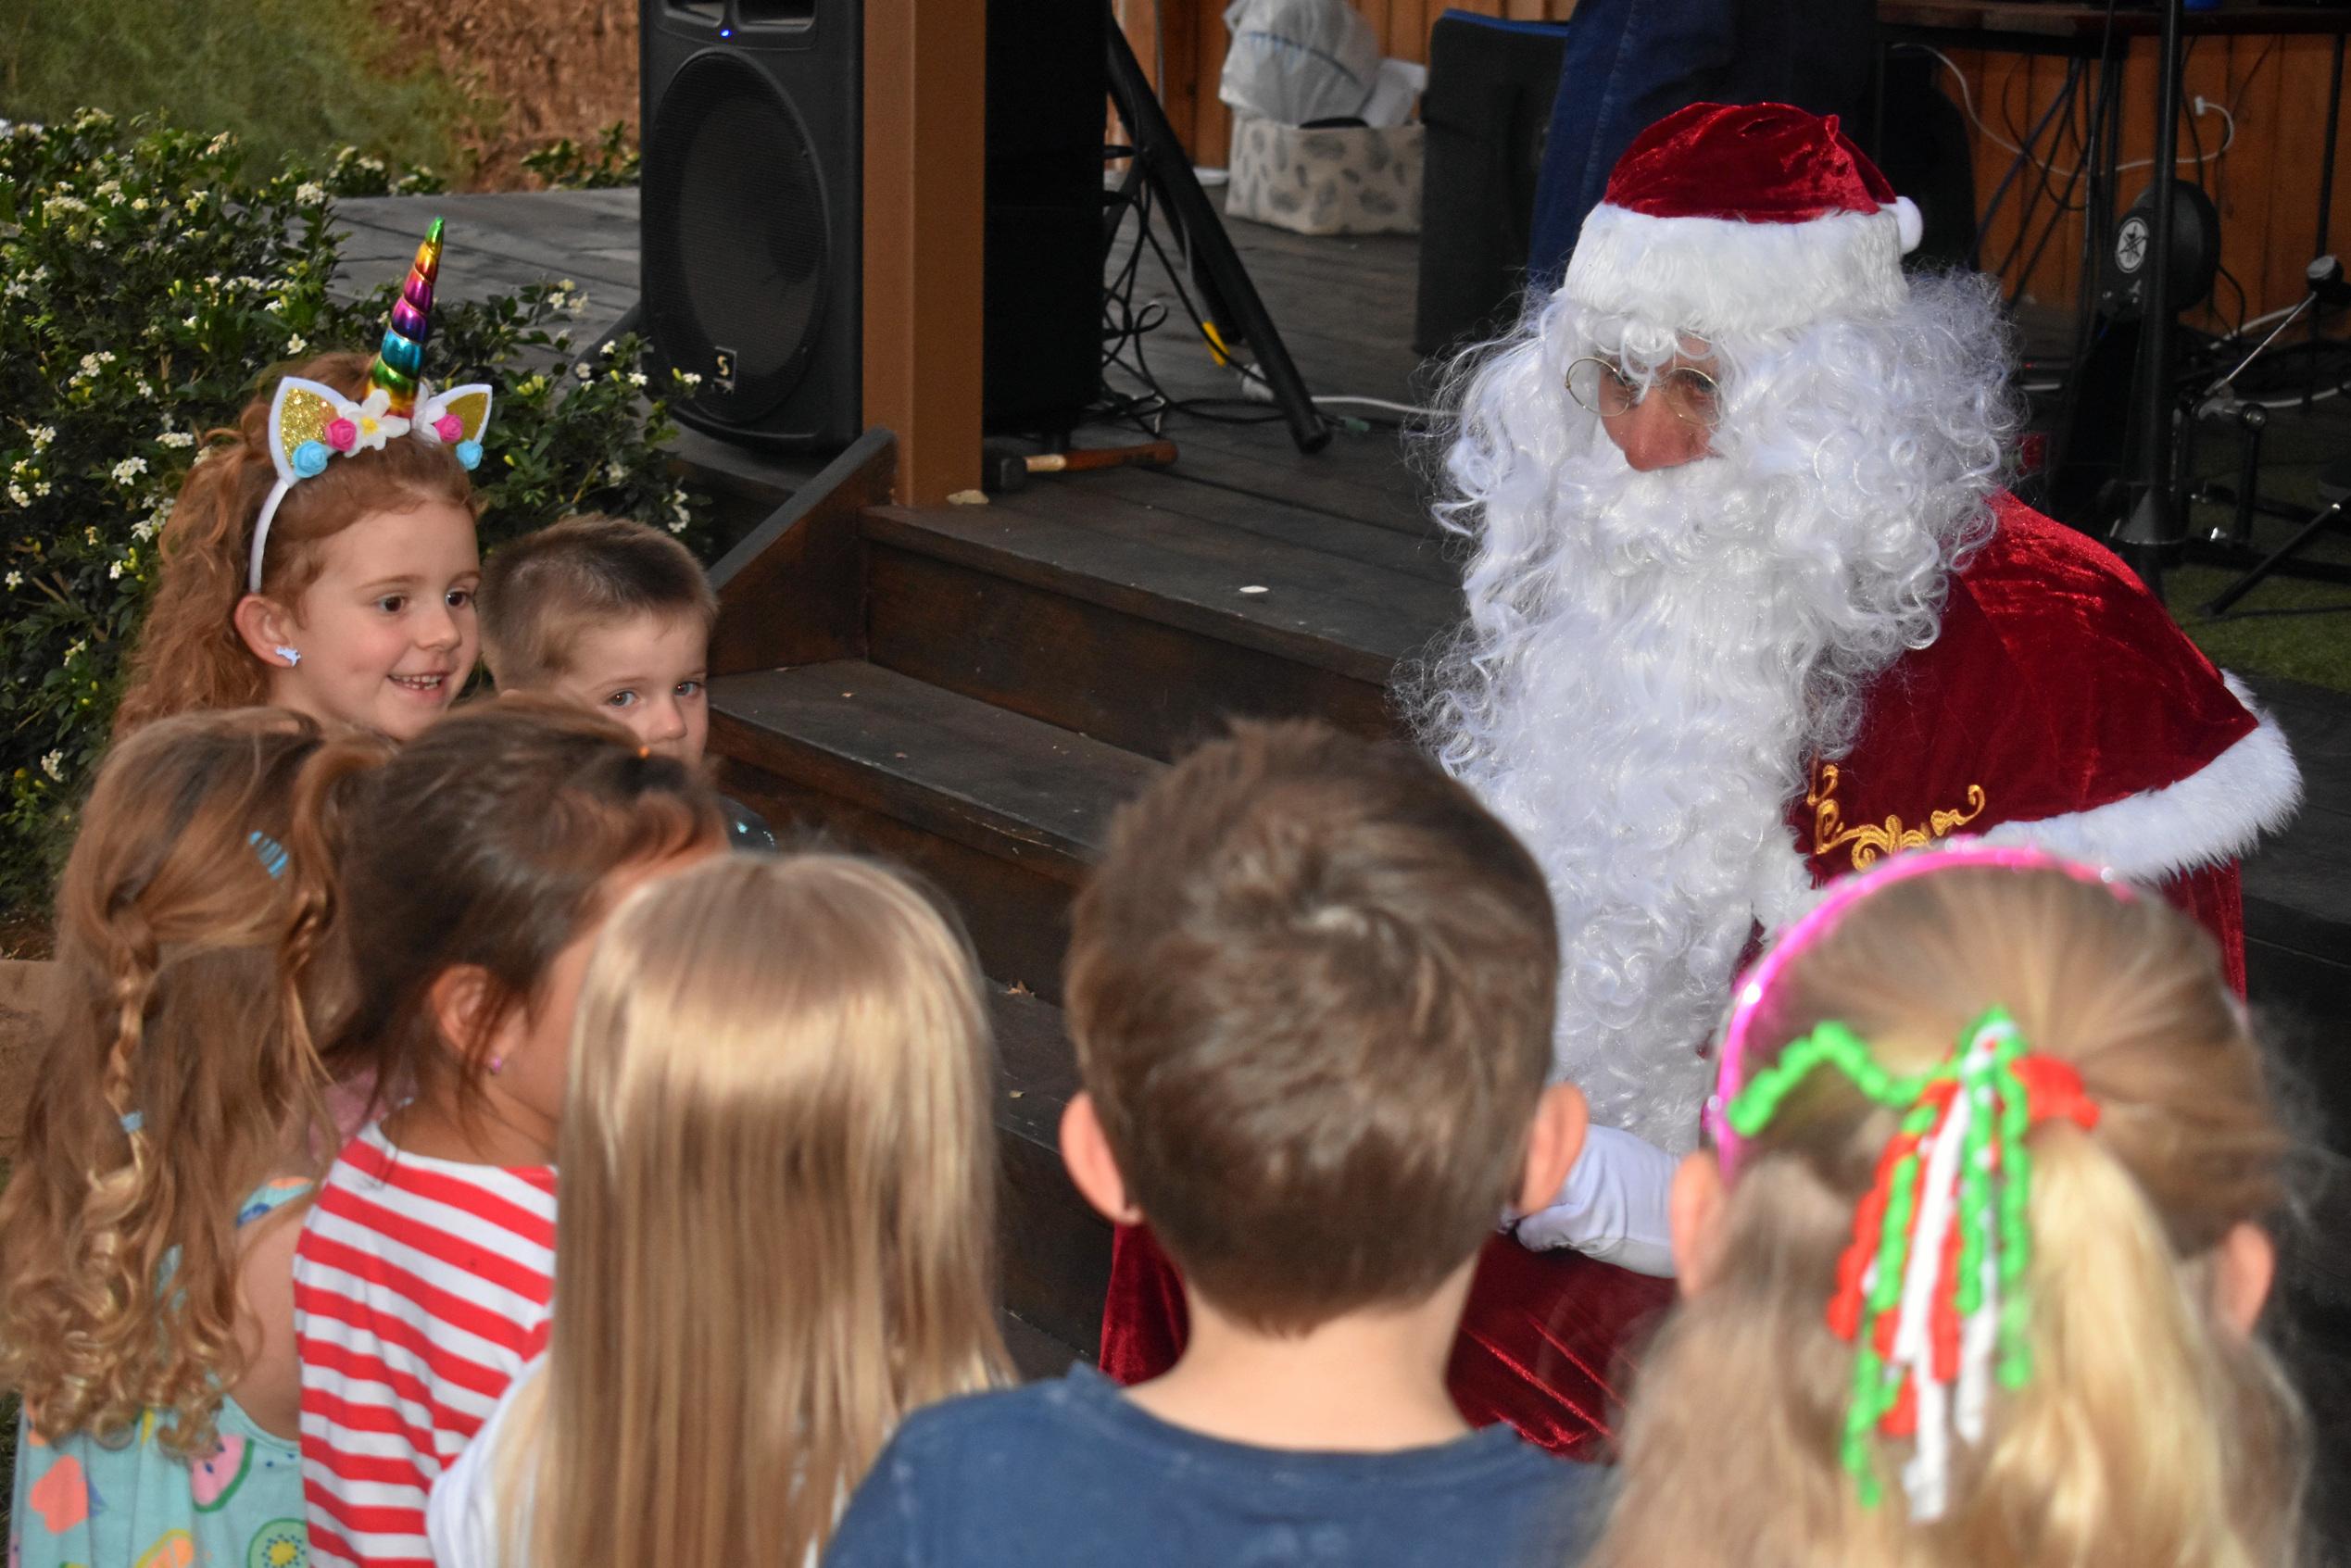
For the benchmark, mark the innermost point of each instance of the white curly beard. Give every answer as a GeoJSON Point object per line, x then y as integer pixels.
{"type": "Point", "coordinates": [1649, 660]}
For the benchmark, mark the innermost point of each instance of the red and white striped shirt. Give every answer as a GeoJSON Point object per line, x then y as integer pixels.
{"type": "Point", "coordinates": [420, 1288]}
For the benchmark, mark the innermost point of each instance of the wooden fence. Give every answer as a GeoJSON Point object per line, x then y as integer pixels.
{"type": "Point", "coordinates": [2265, 182]}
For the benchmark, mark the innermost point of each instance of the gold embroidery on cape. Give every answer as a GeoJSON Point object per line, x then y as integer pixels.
{"type": "Point", "coordinates": [1871, 840]}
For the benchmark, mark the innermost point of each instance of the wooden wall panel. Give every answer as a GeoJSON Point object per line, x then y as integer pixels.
{"type": "Point", "coordinates": [2265, 184]}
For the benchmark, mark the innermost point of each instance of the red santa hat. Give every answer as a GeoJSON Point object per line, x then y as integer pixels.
{"type": "Point", "coordinates": [1733, 220]}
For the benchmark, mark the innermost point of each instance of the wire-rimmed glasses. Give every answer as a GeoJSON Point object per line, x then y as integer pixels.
{"type": "Point", "coordinates": [1605, 388]}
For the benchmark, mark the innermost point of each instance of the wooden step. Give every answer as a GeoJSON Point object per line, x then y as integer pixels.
{"type": "Point", "coordinates": [1147, 626]}
{"type": "Point", "coordinates": [1053, 1249]}
{"type": "Point", "coordinates": [1002, 811]}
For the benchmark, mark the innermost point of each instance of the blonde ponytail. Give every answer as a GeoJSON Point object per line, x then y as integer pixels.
{"type": "Point", "coordinates": [2151, 1430]}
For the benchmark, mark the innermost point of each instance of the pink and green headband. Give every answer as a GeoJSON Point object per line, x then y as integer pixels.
{"type": "Point", "coordinates": [1930, 1289]}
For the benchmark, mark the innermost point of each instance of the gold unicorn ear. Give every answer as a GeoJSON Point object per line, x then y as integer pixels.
{"type": "Point", "coordinates": [302, 419]}
{"type": "Point", "coordinates": [457, 418]}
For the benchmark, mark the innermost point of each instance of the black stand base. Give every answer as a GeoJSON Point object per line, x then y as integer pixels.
{"type": "Point", "coordinates": [1224, 281]}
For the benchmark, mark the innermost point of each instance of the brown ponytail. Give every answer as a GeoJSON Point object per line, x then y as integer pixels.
{"type": "Point", "coordinates": [486, 841]}
{"type": "Point", "coordinates": [179, 1076]}
{"type": "Point", "coordinates": [189, 655]}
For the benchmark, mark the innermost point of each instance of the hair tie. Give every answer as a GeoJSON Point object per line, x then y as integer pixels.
{"type": "Point", "coordinates": [1758, 982]}
{"type": "Point", "coordinates": [272, 854]}
{"type": "Point", "coordinates": [1933, 1283]}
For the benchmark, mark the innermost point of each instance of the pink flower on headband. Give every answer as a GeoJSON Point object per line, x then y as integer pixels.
{"type": "Point", "coordinates": [342, 434]}
{"type": "Point", "coordinates": [448, 427]}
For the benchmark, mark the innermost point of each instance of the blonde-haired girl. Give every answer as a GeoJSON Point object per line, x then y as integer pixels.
{"type": "Point", "coordinates": [776, 1230]}
{"type": "Point", "coordinates": [176, 1125]}
{"type": "Point", "coordinates": [1973, 1269]}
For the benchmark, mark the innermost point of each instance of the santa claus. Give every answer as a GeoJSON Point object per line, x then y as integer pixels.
{"type": "Point", "coordinates": [1749, 608]}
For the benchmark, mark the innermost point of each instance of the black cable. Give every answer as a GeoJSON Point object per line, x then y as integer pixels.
{"type": "Point", "coordinates": [2243, 305]}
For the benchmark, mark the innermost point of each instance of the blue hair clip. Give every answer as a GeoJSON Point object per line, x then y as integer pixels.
{"type": "Point", "coordinates": [133, 1121]}
{"type": "Point", "coordinates": [272, 853]}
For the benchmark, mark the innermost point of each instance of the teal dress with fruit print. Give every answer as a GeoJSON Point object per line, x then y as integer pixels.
{"type": "Point", "coordinates": [128, 1503]}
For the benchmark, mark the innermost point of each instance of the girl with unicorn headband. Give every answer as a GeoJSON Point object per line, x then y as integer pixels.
{"type": "Point", "coordinates": [322, 554]}
{"type": "Point", "coordinates": [1974, 1263]}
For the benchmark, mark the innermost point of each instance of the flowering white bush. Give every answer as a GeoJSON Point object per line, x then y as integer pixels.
{"type": "Point", "coordinates": [147, 286]}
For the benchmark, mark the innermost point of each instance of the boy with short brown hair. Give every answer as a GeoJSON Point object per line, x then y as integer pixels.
{"type": "Point", "coordinates": [1311, 986]}
{"type": "Point", "coordinates": [618, 617]}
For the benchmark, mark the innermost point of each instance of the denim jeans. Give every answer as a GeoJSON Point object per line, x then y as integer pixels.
{"type": "Point", "coordinates": [1629, 64]}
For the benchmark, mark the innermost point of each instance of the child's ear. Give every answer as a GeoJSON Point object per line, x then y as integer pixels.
{"type": "Point", "coordinates": [1562, 1118]}
{"type": "Point", "coordinates": [265, 626]}
{"type": "Point", "coordinates": [461, 1000]}
{"type": "Point", "coordinates": [1694, 1212]}
{"type": "Point", "coordinates": [2246, 1267]}
{"type": "Point", "coordinates": [1092, 1169]}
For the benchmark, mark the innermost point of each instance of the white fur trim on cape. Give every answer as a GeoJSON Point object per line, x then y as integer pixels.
{"type": "Point", "coordinates": [1719, 277]}
{"type": "Point", "coordinates": [2215, 814]}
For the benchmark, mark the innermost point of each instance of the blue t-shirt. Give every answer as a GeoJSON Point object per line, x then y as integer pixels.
{"type": "Point", "coordinates": [1074, 1472]}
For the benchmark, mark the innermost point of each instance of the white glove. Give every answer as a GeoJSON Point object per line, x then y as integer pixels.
{"type": "Point", "coordinates": [1613, 1207]}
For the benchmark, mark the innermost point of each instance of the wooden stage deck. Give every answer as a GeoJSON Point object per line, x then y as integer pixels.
{"type": "Point", "coordinates": [975, 688]}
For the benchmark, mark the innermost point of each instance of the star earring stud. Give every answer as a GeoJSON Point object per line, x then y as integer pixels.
{"type": "Point", "coordinates": [292, 656]}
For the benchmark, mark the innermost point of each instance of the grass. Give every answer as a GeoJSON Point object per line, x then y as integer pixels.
{"type": "Point", "coordinates": [2287, 626]}
{"type": "Point", "coordinates": [290, 78]}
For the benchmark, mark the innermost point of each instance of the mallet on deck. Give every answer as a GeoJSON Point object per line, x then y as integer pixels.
{"type": "Point", "coordinates": [1004, 467]}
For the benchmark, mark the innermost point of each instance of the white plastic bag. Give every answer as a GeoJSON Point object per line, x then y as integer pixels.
{"type": "Point", "coordinates": [1292, 61]}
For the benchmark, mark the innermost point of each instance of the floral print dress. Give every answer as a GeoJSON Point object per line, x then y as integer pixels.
{"type": "Point", "coordinates": [127, 1502]}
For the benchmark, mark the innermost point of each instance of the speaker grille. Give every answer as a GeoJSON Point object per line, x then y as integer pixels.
{"type": "Point", "coordinates": [738, 254]}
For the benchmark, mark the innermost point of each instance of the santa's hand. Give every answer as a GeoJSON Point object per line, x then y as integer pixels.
{"type": "Point", "coordinates": [1613, 1207]}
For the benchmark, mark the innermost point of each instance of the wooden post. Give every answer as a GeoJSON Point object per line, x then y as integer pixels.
{"type": "Point", "coordinates": [925, 120]}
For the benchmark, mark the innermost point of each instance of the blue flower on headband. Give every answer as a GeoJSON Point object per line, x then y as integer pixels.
{"type": "Point", "coordinates": [469, 454]}
{"type": "Point", "coordinates": [310, 459]}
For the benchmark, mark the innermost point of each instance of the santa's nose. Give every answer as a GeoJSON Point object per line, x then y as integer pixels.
{"type": "Point", "coordinates": [1653, 436]}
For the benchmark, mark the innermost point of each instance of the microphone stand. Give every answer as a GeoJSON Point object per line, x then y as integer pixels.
{"type": "Point", "coordinates": [2153, 525]}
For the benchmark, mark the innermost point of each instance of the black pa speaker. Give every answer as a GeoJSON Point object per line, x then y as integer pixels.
{"type": "Point", "coordinates": [752, 211]}
{"type": "Point", "coordinates": [1041, 327]}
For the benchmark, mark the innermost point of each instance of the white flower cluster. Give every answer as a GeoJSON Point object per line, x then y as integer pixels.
{"type": "Point", "coordinates": [128, 470]}
{"type": "Point", "coordinates": [92, 365]}
{"type": "Point", "coordinates": [175, 439]}
{"type": "Point", "coordinates": [310, 194]}
{"type": "Point", "coordinates": [53, 764]}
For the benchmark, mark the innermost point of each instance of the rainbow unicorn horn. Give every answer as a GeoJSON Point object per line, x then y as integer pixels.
{"type": "Point", "coordinates": [401, 358]}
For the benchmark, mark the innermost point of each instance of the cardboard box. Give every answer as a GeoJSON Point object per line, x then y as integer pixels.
{"type": "Point", "coordinates": [1343, 181]}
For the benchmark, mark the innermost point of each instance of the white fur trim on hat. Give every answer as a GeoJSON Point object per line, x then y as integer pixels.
{"type": "Point", "coordinates": [1719, 277]}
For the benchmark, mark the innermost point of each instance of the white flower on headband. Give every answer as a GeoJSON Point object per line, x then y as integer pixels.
{"type": "Point", "coordinates": [363, 427]}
